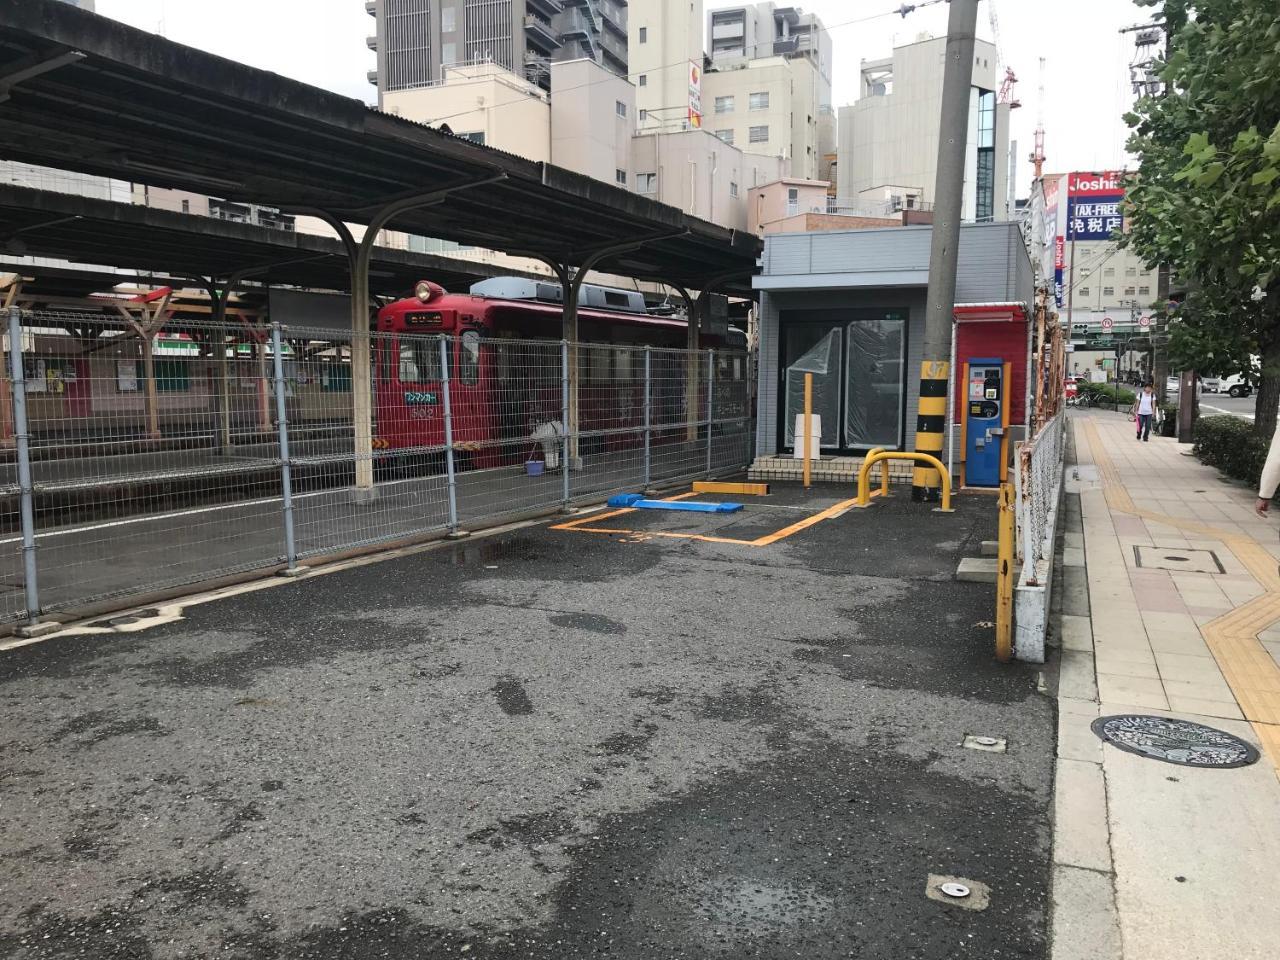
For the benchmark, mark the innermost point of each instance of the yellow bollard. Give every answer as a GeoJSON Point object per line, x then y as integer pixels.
{"type": "Point", "coordinates": [808, 424]}
{"type": "Point", "coordinates": [1004, 576]}
{"type": "Point", "coordinates": [883, 457]}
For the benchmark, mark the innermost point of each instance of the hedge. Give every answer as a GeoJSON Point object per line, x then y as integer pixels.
{"type": "Point", "coordinates": [1230, 444]}
{"type": "Point", "coordinates": [1117, 397]}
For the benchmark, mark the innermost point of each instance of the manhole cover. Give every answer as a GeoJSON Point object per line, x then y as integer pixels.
{"type": "Point", "coordinates": [1178, 559]}
{"type": "Point", "coordinates": [1175, 741]}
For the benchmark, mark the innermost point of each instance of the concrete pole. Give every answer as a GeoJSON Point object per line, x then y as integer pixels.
{"type": "Point", "coordinates": [948, 202]}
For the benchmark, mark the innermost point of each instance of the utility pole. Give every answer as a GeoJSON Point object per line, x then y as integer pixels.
{"type": "Point", "coordinates": [948, 195]}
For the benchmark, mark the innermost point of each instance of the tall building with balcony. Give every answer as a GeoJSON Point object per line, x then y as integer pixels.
{"type": "Point", "coordinates": [416, 40]}
{"type": "Point", "coordinates": [762, 30]}
{"type": "Point", "coordinates": [888, 140]}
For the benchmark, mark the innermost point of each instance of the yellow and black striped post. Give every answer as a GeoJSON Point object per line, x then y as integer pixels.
{"type": "Point", "coordinates": [931, 425]}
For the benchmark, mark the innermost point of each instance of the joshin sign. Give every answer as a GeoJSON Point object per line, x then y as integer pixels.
{"type": "Point", "coordinates": [1094, 202]}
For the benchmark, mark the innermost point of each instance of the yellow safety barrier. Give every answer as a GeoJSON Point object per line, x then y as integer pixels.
{"type": "Point", "coordinates": [1004, 576]}
{"type": "Point", "coordinates": [734, 489]}
{"type": "Point", "coordinates": [864, 475]}
{"type": "Point", "coordinates": [884, 473]}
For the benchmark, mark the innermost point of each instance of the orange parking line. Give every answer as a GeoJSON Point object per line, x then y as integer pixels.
{"type": "Point", "coordinates": [578, 526]}
{"type": "Point", "coordinates": [804, 524]}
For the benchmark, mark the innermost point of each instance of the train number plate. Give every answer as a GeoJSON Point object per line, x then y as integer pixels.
{"type": "Point", "coordinates": [421, 398]}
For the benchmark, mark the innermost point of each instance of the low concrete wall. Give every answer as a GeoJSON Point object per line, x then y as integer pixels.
{"type": "Point", "coordinates": [1031, 603]}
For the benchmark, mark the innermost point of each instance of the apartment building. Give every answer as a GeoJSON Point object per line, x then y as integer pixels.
{"type": "Point", "coordinates": [416, 40]}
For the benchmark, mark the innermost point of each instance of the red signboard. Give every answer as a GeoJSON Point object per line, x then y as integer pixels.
{"type": "Point", "coordinates": [1095, 183]}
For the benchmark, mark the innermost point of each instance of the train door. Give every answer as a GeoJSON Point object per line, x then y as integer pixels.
{"type": "Point", "coordinates": [469, 398]}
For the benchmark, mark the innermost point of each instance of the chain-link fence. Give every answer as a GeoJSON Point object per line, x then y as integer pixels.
{"type": "Point", "coordinates": [137, 460]}
{"type": "Point", "coordinates": [1037, 484]}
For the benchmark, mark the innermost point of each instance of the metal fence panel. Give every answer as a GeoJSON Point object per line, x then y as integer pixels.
{"type": "Point", "coordinates": [156, 458]}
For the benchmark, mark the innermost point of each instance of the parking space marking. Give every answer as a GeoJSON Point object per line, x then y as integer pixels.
{"type": "Point", "coordinates": [634, 536]}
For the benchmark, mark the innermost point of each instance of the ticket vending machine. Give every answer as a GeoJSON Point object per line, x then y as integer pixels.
{"type": "Point", "coordinates": [986, 421]}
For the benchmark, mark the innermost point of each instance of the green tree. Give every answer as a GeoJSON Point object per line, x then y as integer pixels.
{"type": "Point", "coordinates": [1206, 200]}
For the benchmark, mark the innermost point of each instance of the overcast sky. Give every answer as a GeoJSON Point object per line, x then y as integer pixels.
{"type": "Point", "coordinates": [322, 42]}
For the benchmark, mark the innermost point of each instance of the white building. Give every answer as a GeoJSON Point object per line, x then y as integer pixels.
{"type": "Point", "coordinates": [664, 42]}
{"type": "Point", "coordinates": [701, 174]}
{"type": "Point", "coordinates": [888, 139]}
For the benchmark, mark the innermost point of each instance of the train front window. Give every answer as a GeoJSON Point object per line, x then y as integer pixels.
{"type": "Point", "coordinates": [419, 361]}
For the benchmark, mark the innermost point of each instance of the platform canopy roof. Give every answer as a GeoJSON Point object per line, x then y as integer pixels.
{"type": "Point", "coordinates": [86, 93]}
{"type": "Point", "coordinates": [84, 230]}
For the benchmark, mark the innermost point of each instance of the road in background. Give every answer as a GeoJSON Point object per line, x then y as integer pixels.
{"type": "Point", "coordinates": [1241, 407]}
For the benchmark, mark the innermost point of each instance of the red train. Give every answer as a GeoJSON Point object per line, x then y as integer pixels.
{"type": "Point", "coordinates": [505, 379]}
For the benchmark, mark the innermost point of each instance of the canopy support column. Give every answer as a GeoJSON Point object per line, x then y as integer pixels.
{"type": "Point", "coordinates": [359, 254]}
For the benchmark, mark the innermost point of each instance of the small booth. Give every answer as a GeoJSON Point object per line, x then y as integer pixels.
{"type": "Point", "coordinates": [992, 350]}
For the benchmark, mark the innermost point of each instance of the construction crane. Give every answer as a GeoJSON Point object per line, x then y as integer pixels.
{"type": "Point", "coordinates": [1008, 89]}
{"type": "Point", "coordinates": [1008, 86]}
{"type": "Point", "coordinates": [1037, 154]}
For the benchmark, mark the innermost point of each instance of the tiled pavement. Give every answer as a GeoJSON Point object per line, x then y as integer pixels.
{"type": "Point", "coordinates": [1171, 606]}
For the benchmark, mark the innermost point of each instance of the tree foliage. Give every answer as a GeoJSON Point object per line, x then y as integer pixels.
{"type": "Point", "coordinates": [1207, 197]}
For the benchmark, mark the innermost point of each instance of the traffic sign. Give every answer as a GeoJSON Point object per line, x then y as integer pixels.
{"type": "Point", "coordinates": [1144, 322]}
{"type": "Point", "coordinates": [1107, 324]}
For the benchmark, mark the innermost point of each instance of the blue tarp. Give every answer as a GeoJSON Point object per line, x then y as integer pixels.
{"type": "Point", "coordinates": [637, 502]}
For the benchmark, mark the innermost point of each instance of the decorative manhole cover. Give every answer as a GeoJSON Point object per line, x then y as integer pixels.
{"type": "Point", "coordinates": [1175, 741]}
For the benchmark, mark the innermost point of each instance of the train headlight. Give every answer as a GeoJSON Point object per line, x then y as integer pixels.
{"type": "Point", "coordinates": [423, 291]}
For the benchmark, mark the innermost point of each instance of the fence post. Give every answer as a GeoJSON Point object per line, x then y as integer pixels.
{"type": "Point", "coordinates": [282, 427]}
{"type": "Point", "coordinates": [648, 421]}
{"type": "Point", "coordinates": [711, 402]}
{"type": "Point", "coordinates": [564, 404]}
{"type": "Point", "coordinates": [451, 470]}
{"type": "Point", "coordinates": [22, 443]}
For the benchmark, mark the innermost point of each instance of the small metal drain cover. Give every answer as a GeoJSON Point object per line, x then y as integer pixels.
{"type": "Point", "coordinates": [1175, 741]}
{"type": "Point", "coordinates": [1177, 559]}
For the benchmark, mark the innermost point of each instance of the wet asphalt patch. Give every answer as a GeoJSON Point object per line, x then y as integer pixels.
{"type": "Point", "coordinates": [659, 749]}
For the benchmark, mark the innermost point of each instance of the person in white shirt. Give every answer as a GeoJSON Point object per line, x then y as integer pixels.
{"type": "Point", "coordinates": [1270, 476]}
{"type": "Point", "coordinates": [1144, 409]}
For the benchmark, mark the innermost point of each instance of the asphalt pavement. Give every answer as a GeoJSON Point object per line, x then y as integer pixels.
{"type": "Point", "coordinates": [1218, 403]}
{"type": "Point", "coordinates": [549, 744]}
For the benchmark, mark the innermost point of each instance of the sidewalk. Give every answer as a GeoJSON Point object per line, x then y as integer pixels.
{"type": "Point", "coordinates": [1154, 861]}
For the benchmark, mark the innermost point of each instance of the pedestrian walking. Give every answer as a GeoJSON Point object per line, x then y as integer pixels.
{"type": "Point", "coordinates": [1270, 476]}
{"type": "Point", "coordinates": [1144, 410]}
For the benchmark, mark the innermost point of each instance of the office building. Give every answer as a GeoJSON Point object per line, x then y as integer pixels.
{"type": "Point", "coordinates": [888, 139]}
{"type": "Point", "coordinates": [416, 40]}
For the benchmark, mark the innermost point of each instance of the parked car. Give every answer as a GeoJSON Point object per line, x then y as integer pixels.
{"type": "Point", "coordinates": [1210, 384]}
{"type": "Point", "coordinates": [1236, 386]}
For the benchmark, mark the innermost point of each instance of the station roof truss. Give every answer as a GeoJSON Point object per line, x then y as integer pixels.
{"type": "Point", "coordinates": [83, 92]}
{"type": "Point", "coordinates": [188, 248]}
